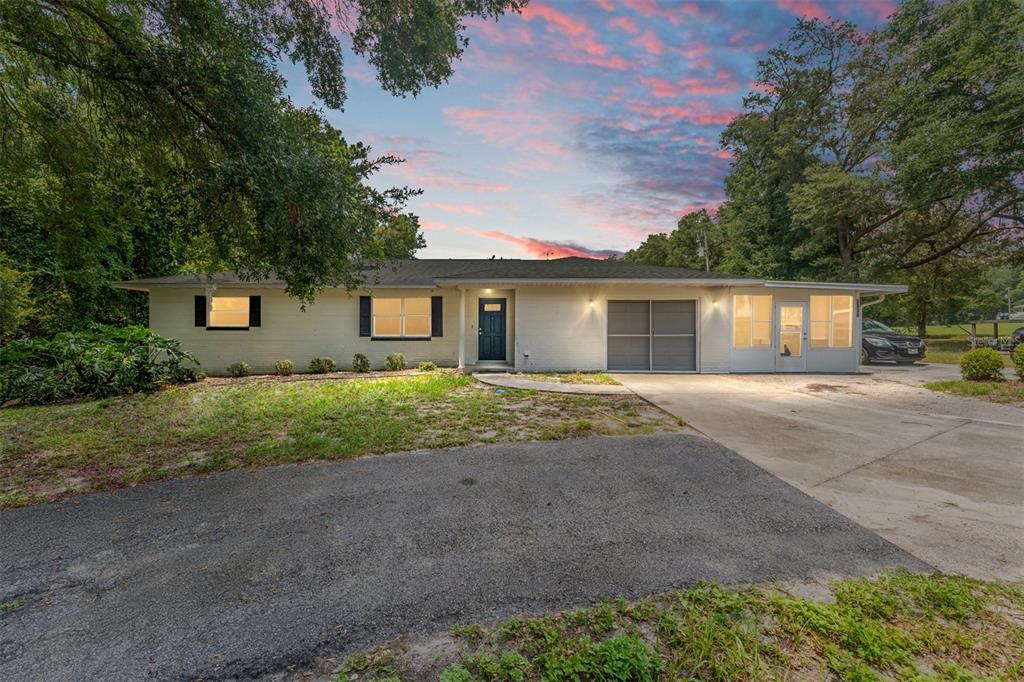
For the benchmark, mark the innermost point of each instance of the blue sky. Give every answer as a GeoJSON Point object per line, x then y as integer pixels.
{"type": "Point", "coordinates": [576, 128]}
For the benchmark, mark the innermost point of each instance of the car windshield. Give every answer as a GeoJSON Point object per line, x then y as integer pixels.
{"type": "Point", "coordinates": [876, 326]}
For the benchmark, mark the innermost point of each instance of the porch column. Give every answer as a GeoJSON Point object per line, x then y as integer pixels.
{"type": "Point", "coordinates": [462, 328]}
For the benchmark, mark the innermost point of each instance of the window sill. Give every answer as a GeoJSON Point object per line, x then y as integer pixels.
{"type": "Point", "coordinates": [400, 338]}
{"type": "Point", "coordinates": [227, 329]}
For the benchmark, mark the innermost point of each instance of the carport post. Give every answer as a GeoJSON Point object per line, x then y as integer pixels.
{"type": "Point", "coordinates": [462, 328]}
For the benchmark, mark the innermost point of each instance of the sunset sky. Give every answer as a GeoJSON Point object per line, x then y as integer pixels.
{"type": "Point", "coordinates": [576, 128]}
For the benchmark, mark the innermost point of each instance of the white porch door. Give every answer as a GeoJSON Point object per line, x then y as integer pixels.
{"type": "Point", "coordinates": [791, 337]}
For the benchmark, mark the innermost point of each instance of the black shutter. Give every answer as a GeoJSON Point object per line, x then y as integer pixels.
{"type": "Point", "coordinates": [200, 311]}
{"type": "Point", "coordinates": [255, 311]}
{"type": "Point", "coordinates": [364, 316]}
{"type": "Point", "coordinates": [436, 316]}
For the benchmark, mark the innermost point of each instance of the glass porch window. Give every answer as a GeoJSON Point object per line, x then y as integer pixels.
{"type": "Point", "coordinates": [752, 321]}
{"type": "Point", "coordinates": [831, 321]}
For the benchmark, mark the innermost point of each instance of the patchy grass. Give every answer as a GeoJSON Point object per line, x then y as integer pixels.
{"type": "Point", "coordinates": [573, 377]}
{"type": "Point", "coordinates": [898, 626]}
{"type": "Point", "coordinates": [949, 351]}
{"type": "Point", "coordinates": [1010, 392]}
{"type": "Point", "coordinates": [52, 451]}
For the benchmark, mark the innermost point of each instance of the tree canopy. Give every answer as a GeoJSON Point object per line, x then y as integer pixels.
{"type": "Point", "coordinates": [141, 137]}
{"type": "Point", "coordinates": [895, 154]}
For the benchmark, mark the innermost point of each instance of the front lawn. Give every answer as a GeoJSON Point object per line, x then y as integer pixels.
{"type": "Point", "coordinates": [899, 626]}
{"type": "Point", "coordinates": [53, 451]}
{"type": "Point", "coordinates": [1010, 391]}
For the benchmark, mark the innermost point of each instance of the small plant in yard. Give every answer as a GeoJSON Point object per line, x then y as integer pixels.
{"type": "Point", "coordinates": [322, 365]}
{"type": "Point", "coordinates": [284, 367]}
{"type": "Point", "coordinates": [239, 369]}
{"type": "Point", "coordinates": [360, 363]}
{"type": "Point", "coordinates": [1018, 360]}
{"type": "Point", "coordinates": [982, 364]}
{"type": "Point", "coordinates": [394, 362]}
{"type": "Point", "coordinates": [427, 366]}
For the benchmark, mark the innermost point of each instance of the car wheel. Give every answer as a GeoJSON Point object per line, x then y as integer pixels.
{"type": "Point", "coordinates": [864, 359]}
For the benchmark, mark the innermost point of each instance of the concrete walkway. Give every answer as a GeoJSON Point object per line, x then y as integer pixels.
{"type": "Point", "coordinates": [939, 475]}
{"type": "Point", "coordinates": [242, 573]}
{"type": "Point", "coordinates": [520, 381]}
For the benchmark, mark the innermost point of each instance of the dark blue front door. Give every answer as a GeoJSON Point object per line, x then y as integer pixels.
{"type": "Point", "coordinates": [492, 329]}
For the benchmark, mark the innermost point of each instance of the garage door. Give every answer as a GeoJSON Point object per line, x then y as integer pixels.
{"type": "Point", "coordinates": [658, 336]}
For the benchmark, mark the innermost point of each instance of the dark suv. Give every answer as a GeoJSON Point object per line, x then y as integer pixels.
{"type": "Point", "coordinates": [881, 343]}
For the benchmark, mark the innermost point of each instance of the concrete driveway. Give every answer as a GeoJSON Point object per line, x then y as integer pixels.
{"type": "Point", "coordinates": [242, 573]}
{"type": "Point", "coordinates": [938, 475]}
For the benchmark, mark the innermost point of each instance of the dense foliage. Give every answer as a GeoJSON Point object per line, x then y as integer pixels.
{"type": "Point", "coordinates": [982, 364]}
{"type": "Point", "coordinates": [103, 361]}
{"type": "Point", "coordinates": [896, 154]}
{"type": "Point", "coordinates": [143, 137]}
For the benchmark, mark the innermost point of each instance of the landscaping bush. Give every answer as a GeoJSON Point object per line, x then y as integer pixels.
{"type": "Point", "coordinates": [427, 366]}
{"type": "Point", "coordinates": [239, 369]}
{"type": "Point", "coordinates": [283, 367]}
{"type": "Point", "coordinates": [1018, 360]}
{"type": "Point", "coordinates": [101, 362]}
{"type": "Point", "coordinates": [394, 362]}
{"type": "Point", "coordinates": [322, 365]}
{"type": "Point", "coordinates": [360, 363]}
{"type": "Point", "coordinates": [982, 364]}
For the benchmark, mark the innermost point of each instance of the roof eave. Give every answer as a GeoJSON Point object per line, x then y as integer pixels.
{"type": "Point", "coordinates": [841, 286]}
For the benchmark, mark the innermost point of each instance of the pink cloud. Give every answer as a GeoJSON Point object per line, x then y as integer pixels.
{"type": "Point", "coordinates": [543, 248]}
{"type": "Point", "coordinates": [606, 5]}
{"type": "Point", "coordinates": [698, 113]}
{"type": "Point", "coordinates": [649, 41]}
{"type": "Point", "coordinates": [722, 154]}
{"type": "Point", "coordinates": [880, 9]}
{"type": "Point", "coordinates": [580, 35]}
{"type": "Point", "coordinates": [719, 86]}
{"type": "Point", "coordinates": [499, 126]}
{"type": "Point", "coordinates": [624, 24]}
{"type": "Point", "coordinates": [454, 208]}
{"type": "Point", "coordinates": [647, 8]}
{"type": "Point", "coordinates": [659, 87]}
{"type": "Point", "coordinates": [804, 8]}
{"type": "Point", "coordinates": [430, 225]}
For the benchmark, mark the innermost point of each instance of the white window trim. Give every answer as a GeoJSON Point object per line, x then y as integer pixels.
{"type": "Point", "coordinates": [771, 323]}
{"type": "Point", "coordinates": [401, 316]}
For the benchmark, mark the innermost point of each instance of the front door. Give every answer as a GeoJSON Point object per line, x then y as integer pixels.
{"type": "Point", "coordinates": [492, 329]}
{"type": "Point", "coordinates": [791, 339]}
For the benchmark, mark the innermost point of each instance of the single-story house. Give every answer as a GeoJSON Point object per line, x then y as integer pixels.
{"type": "Point", "coordinates": [530, 315]}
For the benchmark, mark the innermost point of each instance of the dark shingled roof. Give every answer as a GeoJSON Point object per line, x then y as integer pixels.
{"type": "Point", "coordinates": [424, 272]}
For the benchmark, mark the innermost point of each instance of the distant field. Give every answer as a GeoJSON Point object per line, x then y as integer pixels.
{"type": "Point", "coordinates": [952, 331]}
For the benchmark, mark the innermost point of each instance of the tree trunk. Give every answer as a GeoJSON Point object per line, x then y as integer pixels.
{"type": "Point", "coordinates": [922, 321]}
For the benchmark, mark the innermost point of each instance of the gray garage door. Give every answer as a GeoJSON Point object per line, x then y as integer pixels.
{"type": "Point", "coordinates": [658, 336]}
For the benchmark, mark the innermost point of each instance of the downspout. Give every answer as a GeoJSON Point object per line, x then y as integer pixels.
{"type": "Point", "coordinates": [863, 305]}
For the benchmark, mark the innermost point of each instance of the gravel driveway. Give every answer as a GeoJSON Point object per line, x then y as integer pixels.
{"type": "Point", "coordinates": [241, 573]}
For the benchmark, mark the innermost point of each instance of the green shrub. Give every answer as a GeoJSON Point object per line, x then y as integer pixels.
{"type": "Point", "coordinates": [360, 363]}
{"type": "Point", "coordinates": [1018, 360]}
{"type": "Point", "coordinates": [982, 364]}
{"type": "Point", "coordinates": [322, 365]}
{"type": "Point", "coordinates": [283, 367]}
{"type": "Point", "coordinates": [427, 366]}
{"type": "Point", "coordinates": [239, 369]}
{"type": "Point", "coordinates": [101, 362]}
{"type": "Point", "coordinates": [394, 362]}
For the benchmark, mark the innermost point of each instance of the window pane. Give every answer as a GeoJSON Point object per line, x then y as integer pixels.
{"type": "Point", "coordinates": [417, 325]}
{"type": "Point", "coordinates": [387, 326]}
{"type": "Point", "coordinates": [492, 307]}
{"type": "Point", "coordinates": [842, 321]}
{"type": "Point", "coordinates": [417, 306]}
{"type": "Point", "coordinates": [819, 309]}
{"type": "Point", "coordinates": [629, 317]}
{"type": "Point", "coordinates": [819, 334]}
{"type": "Point", "coordinates": [387, 306]}
{"type": "Point", "coordinates": [741, 322]}
{"type": "Point", "coordinates": [762, 308]}
{"type": "Point", "coordinates": [229, 311]}
{"type": "Point", "coordinates": [762, 334]}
